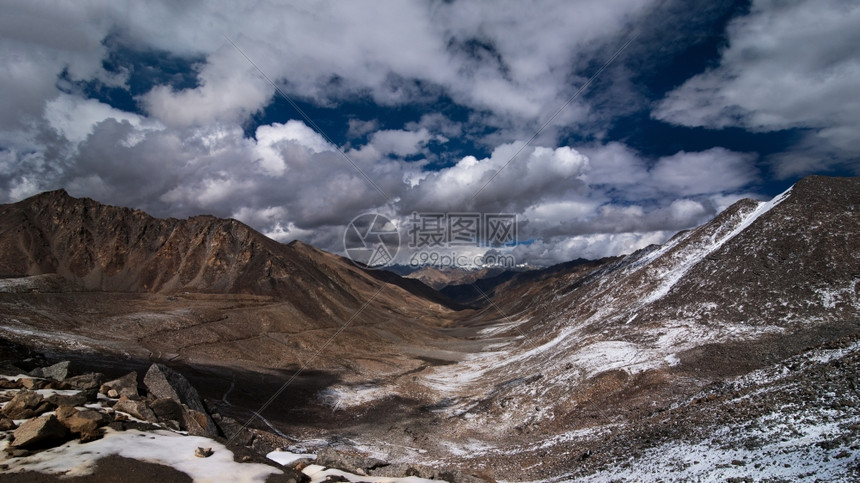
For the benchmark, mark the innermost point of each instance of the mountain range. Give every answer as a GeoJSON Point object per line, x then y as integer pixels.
{"type": "Point", "coordinates": [542, 374]}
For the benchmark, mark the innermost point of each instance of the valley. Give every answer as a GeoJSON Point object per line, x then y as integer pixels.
{"type": "Point", "coordinates": [731, 347]}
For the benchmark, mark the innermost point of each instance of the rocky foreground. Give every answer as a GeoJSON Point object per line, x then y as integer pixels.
{"type": "Point", "coordinates": [56, 423]}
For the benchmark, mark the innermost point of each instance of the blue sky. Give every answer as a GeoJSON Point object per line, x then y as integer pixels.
{"type": "Point", "coordinates": [416, 106]}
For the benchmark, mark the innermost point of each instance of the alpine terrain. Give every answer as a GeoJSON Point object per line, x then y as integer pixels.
{"type": "Point", "coordinates": [732, 351]}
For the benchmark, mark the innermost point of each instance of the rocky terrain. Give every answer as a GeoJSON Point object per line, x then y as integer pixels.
{"type": "Point", "coordinates": [729, 352]}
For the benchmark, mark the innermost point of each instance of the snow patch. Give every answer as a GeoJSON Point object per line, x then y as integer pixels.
{"type": "Point", "coordinates": [161, 447]}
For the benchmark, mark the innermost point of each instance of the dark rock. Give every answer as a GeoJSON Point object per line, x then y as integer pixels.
{"type": "Point", "coordinates": [41, 432]}
{"type": "Point", "coordinates": [8, 384]}
{"type": "Point", "coordinates": [86, 382]}
{"type": "Point", "coordinates": [137, 409]}
{"type": "Point", "coordinates": [233, 431]}
{"type": "Point", "coordinates": [165, 383]}
{"type": "Point", "coordinates": [16, 452]}
{"type": "Point", "coordinates": [6, 424]}
{"type": "Point", "coordinates": [352, 463]}
{"type": "Point", "coordinates": [124, 386]}
{"type": "Point", "coordinates": [78, 399]}
{"type": "Point", "coordinates": [198, 424]}
{"type": "Point", "coordinates": [167, 410]}
{"type": "Point", "coordinates": [203, 452]}
{"type": "Point", "coordinates": [57, 372]}
{"type": "Point", "coordinates": [9, 369]}
{"type": "Point", "coordinates": [293, 475]}
{"type": "Point", "coordinates": [26, 404]}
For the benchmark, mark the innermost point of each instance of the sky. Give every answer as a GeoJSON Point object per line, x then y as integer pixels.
{"type": "Point", "coordinates": [603, 125]}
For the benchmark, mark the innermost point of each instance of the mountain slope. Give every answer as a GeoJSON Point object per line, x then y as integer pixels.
{"type": "Point", "coordinates": [108, 248]}
{"type": "Point", "coordinates": [203, 289]}
{"type": "Point", "coordinates": [571, 354]}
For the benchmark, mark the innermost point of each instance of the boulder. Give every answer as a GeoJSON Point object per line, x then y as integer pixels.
{"type": "Point", "coordinates": [84, 423]}
{"type": "Point", "coordinates": [57, 372]}
{"type": "Point", "coordinates": [124, 386]}
{"type": "Point", "coordinates": [9, 369]}
{"type": "Point", "coordinates": [167, 410]}
{"type": "Point", "coordinates": [137, 409]}
{"type": "Point", "coordinates": [78, 399]}
{"type": "Point", "coordinates": [7, 424]}
{"type": "Point", "coordinates": [87, 382]}
{"type": "Point", "coordinates": [348, 462]}
{"type": "Point", "coordinates": [198, 424]}
{"type": "Point", "coordinates": [26, 404]}
{"type": "Point", "coordinates": [234, 431]}
{"type": "Point", "coordinates": [32, 384]}
{"type": "Point", "coordinates": [41, 432]}
{"type": "Point", "coordinates": [9, 384]}
{"type": "Point", "coordinates": [163, 382]}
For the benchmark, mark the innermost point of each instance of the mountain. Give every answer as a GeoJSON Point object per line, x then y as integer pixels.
{"type": "Point", "coordinates": [203, 288]}
{"type": "Point", "coordinates": [480, 291]}
{"type": "Point", "coordinates": [439, 278]}
{"type": "Point", "coordinates": [732, 348]}
{"type": "Point", "coordinates": [109, 248]}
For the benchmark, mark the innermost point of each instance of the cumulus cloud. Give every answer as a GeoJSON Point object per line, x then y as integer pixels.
{"type": "Point", "coordinates": [788, 65]}
{"type": "Point", "coordinates": [191, 149]}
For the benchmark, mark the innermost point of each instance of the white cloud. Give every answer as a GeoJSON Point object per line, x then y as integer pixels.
{"type": "Point", "coordinates": [713, 171]}
{"type": "Point", "coordinates": [592, 247]}
{"type": "Point", "coordinates": [399, 142]}
{"type": "Point", "coordinates": [279, 145]}
{"type": "Point", "coordinates": [75, 117]}
{"type": "Point", "coordinates": [508, 67]}
{"type": "Point", "coordinates": [788, 65]}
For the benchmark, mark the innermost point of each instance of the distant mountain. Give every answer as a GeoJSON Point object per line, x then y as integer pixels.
{"type": "Point", "coordinates": [439, 278]}
{"type": "Point", "coordinates": [480, 291]}
{"type": "Point", "coordinates": [108, 248]}
{"type": "Point", "coordinates": [751, 318]}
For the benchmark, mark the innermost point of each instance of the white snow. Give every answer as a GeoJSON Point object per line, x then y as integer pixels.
{"type": "Point", "coordinates": [318, 474]}
{"type": "Point", "coordinates": [161, 447]}
{"type": "Point", "coordinates": [692, 257]}
{"type": "Point", "coordinates": [286, 458]}
{"type": "Point", "coordinates": [341, 396]}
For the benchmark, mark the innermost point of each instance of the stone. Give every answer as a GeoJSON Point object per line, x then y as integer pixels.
{"type": "Point", "coordinates": [7, 384]}
{"type": "Point", "coordinates": [167, 409]}
{"type": "Point", "coordinates": [198, 424]}
{"type": "Point", "coordinates": [26, 404]}
{"type": "Point", "coordinates": [348, 462]}
{"type": "Point", "coordinates": [86, 382]}
{"type": "Point", "coordinates": [78, 399]}
{"type": "Point", "coordinates": [16, 452]}
{"type": "Point", "coordinates": [7, 424]}
{"type": "Point", "coordinates": [32, 384]}
{"type": "Point", "coordinates": [203, 452]}
{"type": "Point", "coordinates": [165, 383]}
{"type": "Point", "coordinates": [138, 409]}
{"type": "Point", "coordinates": [124, 386]}
{"type": "Point", "coordinates": [233, 431]}
{"type": "Point", "coordinates": [41, 432]}
{"type": "Point", "coordinates": [84, 423]}
{"type": "Point", "coordinates": [57, 372]}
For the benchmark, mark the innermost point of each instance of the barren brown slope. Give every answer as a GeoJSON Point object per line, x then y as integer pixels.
{"type": "Point", "coordinates": [107, 248]}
